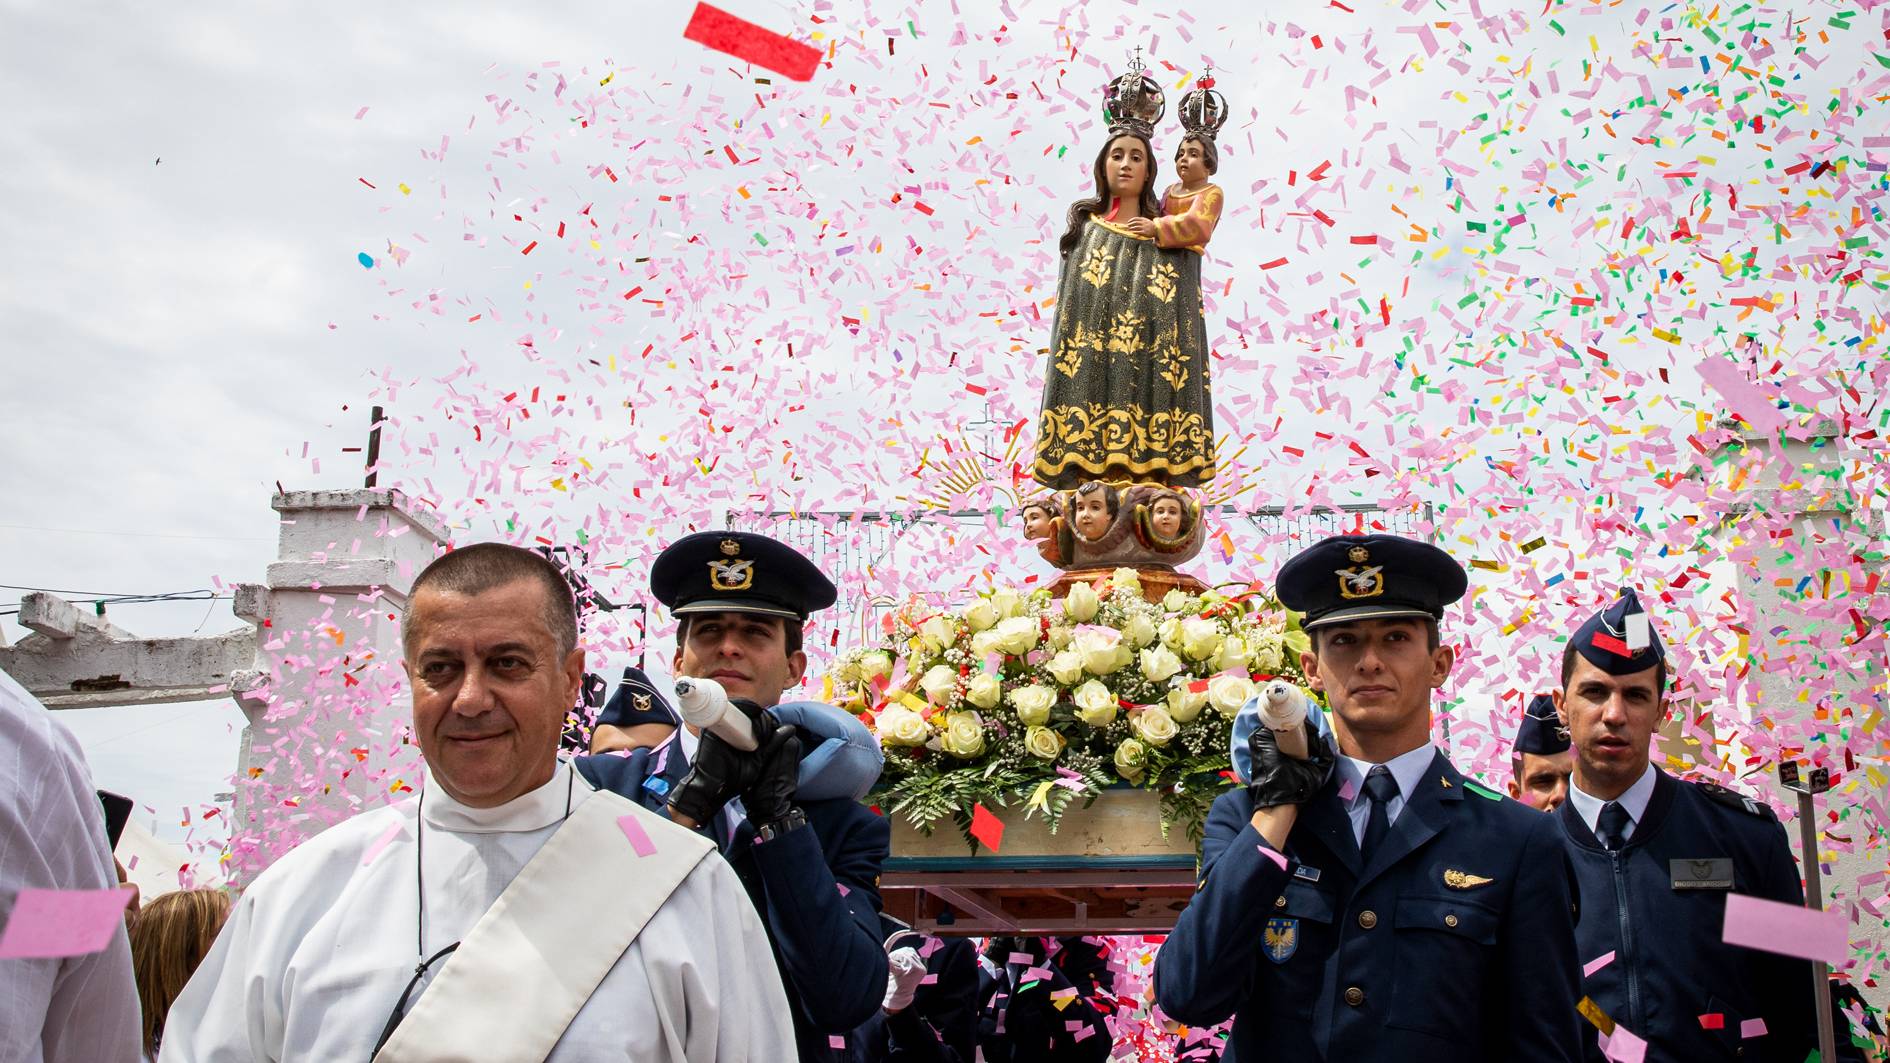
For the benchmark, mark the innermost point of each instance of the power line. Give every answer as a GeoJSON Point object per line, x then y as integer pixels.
{"type": "Point", "coordinates": [139, 535]}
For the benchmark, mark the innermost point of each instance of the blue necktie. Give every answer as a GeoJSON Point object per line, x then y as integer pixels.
{"type": "Point", "coordinates": [1380, 787]}
{"type": "Point", "coordinates": [1611, 828]}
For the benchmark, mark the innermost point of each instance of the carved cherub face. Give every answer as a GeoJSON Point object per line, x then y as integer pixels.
{"type": "Point", "coordinates": [1126, 165]}
{"type": "Point", "coordinates": [1165, 518]}
{"type": "Point", "coordinates": [1036, 521]}
{"type": "Point", "coordinates": [1092, 514]}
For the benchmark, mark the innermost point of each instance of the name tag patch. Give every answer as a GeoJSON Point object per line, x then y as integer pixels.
{"type": "Point", "coordinates": [1701, 873]}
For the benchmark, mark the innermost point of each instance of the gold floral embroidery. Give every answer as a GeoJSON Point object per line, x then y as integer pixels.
{"type": "Point", "coordinates": [1161, 282]}
{"type": "Point", "coordinates": [1098, 438]}
{"type": "Point", "coordinates": [1096, 266]}
{"type": "Point", "coordinates": [1125, 333]}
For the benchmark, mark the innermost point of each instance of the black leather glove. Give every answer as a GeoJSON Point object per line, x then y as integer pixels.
{"type": "Point", "coordinates": [770, 796]}
{"type": "Point", "coordinates": [719, 772]}
{"type": "Point", "coordinates": [1282, 780]}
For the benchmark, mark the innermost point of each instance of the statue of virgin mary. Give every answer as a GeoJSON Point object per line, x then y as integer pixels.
{"type": "Point", "coordinates": [1125, 396]}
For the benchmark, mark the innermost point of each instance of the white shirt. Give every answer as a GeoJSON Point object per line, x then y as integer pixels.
{"type": "Point", "coordinates": [1633, 801]}
{"type": "Point", "coordinates": [1407, 769]}
{"type": "Point", "coordinates": [316, 953]}
{"type": "Point", "coordinates": [82, 1009]}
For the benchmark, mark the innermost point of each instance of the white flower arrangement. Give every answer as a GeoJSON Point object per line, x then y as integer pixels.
{"type": "Point", "coordinates": [1015, 694]}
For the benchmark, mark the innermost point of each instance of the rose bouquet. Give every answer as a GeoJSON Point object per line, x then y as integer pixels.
{"type": "Point", "coordinates": [1015, 696]}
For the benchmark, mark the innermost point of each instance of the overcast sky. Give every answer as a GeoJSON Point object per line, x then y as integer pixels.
{"type": "Point", "coordinates": [184, 325]}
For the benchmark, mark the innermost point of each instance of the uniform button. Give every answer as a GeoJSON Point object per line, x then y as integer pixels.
{"type": "Point", "coordinates": [1450, 920]}
{"type": "Point", "coordinates": [1279, 902]}
{"type": "Point", "coordinates": [1368, 919]}
{"type": "Point", "coordinates": [1355, 996]}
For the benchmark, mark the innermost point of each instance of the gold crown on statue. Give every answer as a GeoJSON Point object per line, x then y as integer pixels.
{"type": "Point", "coordinates": [1203, 110]}
{"type": "Point", "coordinates": [1133, 103]}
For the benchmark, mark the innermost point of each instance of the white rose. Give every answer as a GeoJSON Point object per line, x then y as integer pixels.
{"type": "Point", "coordinates": [963, 735]}
{"type": "Point", "coordinates": [1125, 579]}
{"type": "Point", "coordinates": [1184, 704]}
{"type": "Point", "coordinates": [986, 643]}
{"type": "Point", "coordinates": [1095, 705]}
{"type": "Point", "coordinates": [1159, 663]}
{"type": "Point", "coordinates": [1033, 704]}
{"type": "Point", "coordinates": [874, 664]}
{"type": "Point", "coordinates": [1268, 653]}
{"type": "Point", "coordinates": [981, 614]}
{"type": "Point", "coordinates": [1154, 725]}
{"type": "Point", "coordinates": [1227, 693]}
{"type": "Point", "coordinates": [1042, 742]}
{"type": "Point", "coordinates": [1081, 603]}
{"type": "Point", "coordinates": [1018, 635]}
{"type": "Point", "coordinates": [1170, 633]}
{"type": "Point", "coordinates": [1139, 630]}
{"type": "Point", "coordinates": [1008, 602]}
{"type": "Point", "coordinates": [1131, 758]}
{"type": "Point", "coordinates": [900, 726]}
{"type": "Point", "coordinates": [1200, 639]}
{"type": "Point", "coordinates": [1233, 656]}
{"type": "Point", "coordinates": [1097, 646]}
{"type": "Point", "coordinates": [847, 671]}
{"type": "Point", "coordinates": [938, 683]}
{"type": "Point", "coordinates": [1124, 656]}
{"type": "Point", "coordinates": [938, 632]}
{"type": "Point", "coordinates": [984, 690]}
{"type": "Point", "coordinates": [1175, 601]}
{"type": "Point", "coordinates": [1059, 636]}
{"type": "Point", "coordinates": [1066, 667]}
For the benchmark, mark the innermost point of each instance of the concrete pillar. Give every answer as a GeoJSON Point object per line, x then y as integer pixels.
{"type": "Point", "coordinates": [1798, 591]}
{"type": "Point", "coordinates": [326, 707]}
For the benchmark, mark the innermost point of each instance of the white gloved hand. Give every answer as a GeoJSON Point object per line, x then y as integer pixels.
{"type": "Point", "coordinates": [904, 971]}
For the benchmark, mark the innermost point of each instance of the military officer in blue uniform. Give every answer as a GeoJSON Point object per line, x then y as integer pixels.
{"type": "Point", "coordinates": [1369, 902]}
{"type": "Point", "coordinates": [811, 867]}
{"type": "Point", "coordinates": [930, 1014]}
{"type": "Point", "coordinates": [1655, 858]}
{"type": "Point", "coordinates": [1540, 759]}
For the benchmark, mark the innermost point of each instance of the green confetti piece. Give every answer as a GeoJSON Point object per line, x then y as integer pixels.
{"type": "Point", "coordinates": [762, 240]}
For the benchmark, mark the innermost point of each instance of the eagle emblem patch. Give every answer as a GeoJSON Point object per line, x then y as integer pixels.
{"type": "Point", "coordinates": [1281, 939]}
{"type": "Point", "coordinates": [1464, 880]}
{"type": "Point", "coordinates": [731, 575]}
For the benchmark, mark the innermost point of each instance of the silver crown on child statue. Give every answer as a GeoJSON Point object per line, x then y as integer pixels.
{"type": "Point", "coordinates": [1133, 103]}
{"type": "Point", "coordinates": [1202, 110]}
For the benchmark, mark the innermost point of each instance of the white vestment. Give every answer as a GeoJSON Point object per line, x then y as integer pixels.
{"type": "Point", "coordinates": [79, 1009]}
{"type": "Point", "coordinates": [317, 951]}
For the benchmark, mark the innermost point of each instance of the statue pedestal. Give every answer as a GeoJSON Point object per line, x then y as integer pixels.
{"type": "Point", "coordinates": [1157, 581]}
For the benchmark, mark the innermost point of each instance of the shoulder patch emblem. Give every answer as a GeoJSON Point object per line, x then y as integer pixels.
{"type": "Point", "coordinates": [1720, 795]}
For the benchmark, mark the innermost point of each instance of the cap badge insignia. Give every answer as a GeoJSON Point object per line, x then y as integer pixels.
{"type": "Point", "coordinates": [1463, 880]}
{"type": "Point", "coordinates": [730, 548]}
{"type": "Point", "coordinates": [731, 575]}
{"type": "Point", "coordinates": [1358, 555]}
{"type": "Point", "coordinates": [1359, 582]}
{"type": "Point", "coordinates": [642, 702]}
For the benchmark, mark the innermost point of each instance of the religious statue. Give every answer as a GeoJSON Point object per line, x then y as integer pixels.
{"type": "Point", "coordinates": [1128, 420]}
{"type": "Point", "coordinates": [1126, 394]}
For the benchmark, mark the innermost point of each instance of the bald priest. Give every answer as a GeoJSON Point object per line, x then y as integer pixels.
{"type": "Point", "coordinates": [510, 911]}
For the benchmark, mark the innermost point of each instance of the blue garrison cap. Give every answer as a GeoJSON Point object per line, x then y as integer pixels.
{"type": "Point", "coordinates": [1605, 640]}
{"type": "Point", "coordinates": [1364, 577]}
{"type": "Point", "coordinates": [637, 701]}
{"type": "Point", "coordinates": [1541, 731]}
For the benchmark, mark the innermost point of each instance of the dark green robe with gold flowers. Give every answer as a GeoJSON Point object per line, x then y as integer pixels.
{"type": "Point", "coordinates": [1125, 396]}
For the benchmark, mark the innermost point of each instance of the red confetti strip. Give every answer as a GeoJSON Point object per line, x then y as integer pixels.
{"type": "Point", "coordinates": [714, 28]}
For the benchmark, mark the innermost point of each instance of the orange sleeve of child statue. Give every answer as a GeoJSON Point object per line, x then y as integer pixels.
{"type": "Point", "coordinates": [1194, 226]}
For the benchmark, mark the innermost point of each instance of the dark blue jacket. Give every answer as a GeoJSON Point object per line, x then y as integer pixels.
{"type": "Point", "coordinates": [1454, 945]}
{"type": "Point", "coordinates": [941, 1024]}
{"type": "Point", "coordinates": [816, 888]}
{"type": "Point", "coordinates": [1020, 1021]}
{"type": "Point", "coordinates": [1659, 904]}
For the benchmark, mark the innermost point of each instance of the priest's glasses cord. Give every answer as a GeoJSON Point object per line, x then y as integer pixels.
{"type": "Point", "coordinates": [420, 924]}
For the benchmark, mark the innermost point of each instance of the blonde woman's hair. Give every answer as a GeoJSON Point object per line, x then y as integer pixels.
{"type": "Point", "coordinates": [173, 934]}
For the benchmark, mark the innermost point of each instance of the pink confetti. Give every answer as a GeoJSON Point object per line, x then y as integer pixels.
{"type": "Point", "coordinates": [639, 838]}
{"type": "Point", "coordinates": [47, 924]}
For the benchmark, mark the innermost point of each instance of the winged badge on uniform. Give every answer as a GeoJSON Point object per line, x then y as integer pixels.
{"type": "Point", "coordinates": [1464, 880]}
{"type": "Point", "coordinates": [1281, 939]}
{"type": "Point", "coordinates": [731, 575]}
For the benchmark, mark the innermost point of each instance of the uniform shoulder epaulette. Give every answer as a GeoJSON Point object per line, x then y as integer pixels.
{"type": "Point", "coordinates": [1734, 799]}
